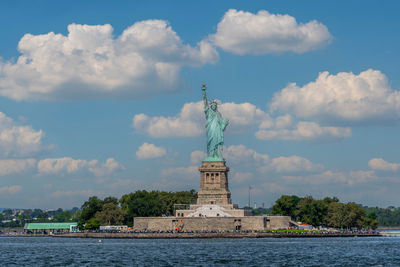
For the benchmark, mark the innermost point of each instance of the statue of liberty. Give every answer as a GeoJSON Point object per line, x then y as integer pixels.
{"type": "Point", "coordinates": [215, 127]}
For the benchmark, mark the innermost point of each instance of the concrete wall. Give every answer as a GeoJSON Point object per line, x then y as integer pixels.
{"type": "Point", "coordinates": [210, 224]}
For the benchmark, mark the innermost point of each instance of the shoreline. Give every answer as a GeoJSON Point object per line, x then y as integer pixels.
{"type": "Point", "coordinates": [208, 235]}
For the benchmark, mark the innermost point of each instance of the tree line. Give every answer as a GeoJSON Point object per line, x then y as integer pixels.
{"type": "Point", "coordinates": [111, 211]}
{"type": "Point", "coordinates": [389, 216]}
{"type": "Point", "coordinates": [325, 212]}
{"type": "Point", "coordinates": [18, 218]}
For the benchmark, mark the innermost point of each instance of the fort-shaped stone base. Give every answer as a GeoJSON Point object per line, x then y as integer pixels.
{"type": "Point", "coordinates": [253, 223]}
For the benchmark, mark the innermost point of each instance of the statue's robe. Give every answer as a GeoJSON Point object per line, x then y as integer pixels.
{"type": "Point", "coordinates": [215, 127]}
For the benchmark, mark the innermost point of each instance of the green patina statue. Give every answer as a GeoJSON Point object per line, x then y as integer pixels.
{"type": "Point", "coordinates": [215, 127]}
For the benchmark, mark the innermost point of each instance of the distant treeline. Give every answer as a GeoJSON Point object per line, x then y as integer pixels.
{"type": "Point", "coordinates": [386, 216]}
{"type": "Point", "coordinates": [325, 212]}
{"type": "Point", "coordinates": [18, 217]}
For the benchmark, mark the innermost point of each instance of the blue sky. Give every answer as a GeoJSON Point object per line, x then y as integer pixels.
{"type": "Point", "coordinates": [102, 98]}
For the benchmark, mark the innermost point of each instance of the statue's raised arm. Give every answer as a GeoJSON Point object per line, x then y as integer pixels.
{"type": "Point", "coordinates": [215, 127]}
{"type": "Point", "coordinates": [203, 89]}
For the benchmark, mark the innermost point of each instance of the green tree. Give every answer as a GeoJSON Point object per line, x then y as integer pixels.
{"type": "Point", "coordinates": [154, 203]}
{"type": "Point", "coordinates": [64, 216]}
{"type": "Point", "coordinates": [92, 224]}
{"type": "Point", "coordinates": [336, 215]}
{"type": "Point", "coordinates": [112, 200]}
{"type": "Point", "coordinates": [286, 205]}
{"type": "Point", "coordinates": [110, 214]}
{"type": "Point", "coordinates": [311, 211]}
{"type": "Point", "coordinates": [355, 215]}
{"type": "Point", "coordinates": [89, 209]}
{"type": "Point", "coordinates": [350, 215]}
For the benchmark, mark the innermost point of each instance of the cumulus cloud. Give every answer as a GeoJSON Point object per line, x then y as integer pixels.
{"type": "Point", "coordinates": [72, 193]}
{"type": "Point", "coordinates": [196, 157]}
{"type": "Point", "coordinates": [10, 189]}
{"type": "Point", "coordinates": [68, 165]}
{"type": "Point", "coordinates": [187, 123]}
{"type": "Point", "coordinates": [286, 128]}
{"type": "Point", "coordinates": [240, 177]}
{"type": "Point", "coordinates": [150, 151]}
{"type": "Point", "coordinates": [341, 98]}
{"type": "Point", "coordinates": [382, 165]}
{"type": "Point", "coordinates": [191, 120]}
{"type": "Point", "coordinates": [107, 168]}
{"type": "Point", "coordinates": [16, 166]}
{"type": "Point", "coordinates": [18, 140]}
{"type": "Point", "coordinates": [181, 172]}
{"type": "Point", "coordinates": [63, 165]}
{"type": "Point", "coordinates": [333, 177]}
{"type": "Point", "coordinates": [124, 184]}
{"type": "Point", "coordinates": [90, 63]}
{"type": "Point", "coordinates": [243, 32]}
{"type": "Point", "coordinates": [293, 164]}
{"type": "Point", "coordinates": [242, 154]}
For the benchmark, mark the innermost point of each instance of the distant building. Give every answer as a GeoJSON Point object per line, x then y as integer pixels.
{"type": "Point", "coordinates": [46, 228]}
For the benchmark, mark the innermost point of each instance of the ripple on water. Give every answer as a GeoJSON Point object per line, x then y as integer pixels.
{"type": "Point", "coordinates": [42, 251]}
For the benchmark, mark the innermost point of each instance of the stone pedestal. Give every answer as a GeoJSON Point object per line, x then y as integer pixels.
{"type": "Point", "coordinates": [214, 184]}
{"type": "Point", "coordinates": [214, 197]}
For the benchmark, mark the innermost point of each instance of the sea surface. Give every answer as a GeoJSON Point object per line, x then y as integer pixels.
{"type": "Point", "coordinates": [48, 251]}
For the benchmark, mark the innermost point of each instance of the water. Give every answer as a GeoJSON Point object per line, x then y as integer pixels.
{"type": "Point", "coordinates": [47, 251]}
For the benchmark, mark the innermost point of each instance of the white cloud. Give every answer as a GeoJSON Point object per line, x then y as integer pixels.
{"type": "Point", "coordinates": [382, 165]}
{"type": "Point", "coordinates": [286, 128]}
{"type": "Point", "coordinates": [243, 116]}
{"type": "Point", "coordinates": [341, 98]}
{"type": "Point", "coordinates": [191, 120]}
{"type": "Point", "coordinates": [124, 184]}
{"type": "Point", "coordinates": [18, 140]}
{"type": "Point", "coordinates": [16, 166]}
{"type": "Point", "coordinates": [90, 63]}
{"type": "Point", "coordinates": [271, 187]}
{"type": "Point", "coordinates": [73, 193]}
{"type": "Point", "coordinates": [10, 189]}
{"type": "Point", "coordinates": [187, 123]}
{"type": "Point", "coordinates": [107, 168]}
{"type": "Point", "coordinates": [293, 164]}
{"type": "Point", "coordinates": [240, 177]}
{"type": "Point", "coordinates": [196, 157]}
{"type": "Point", "coordinates": [181, 172]}
{"type": "Point", "coordinates": [333, 177]}
{"type": "Point", "coordinates": [241, 154]}
{"type": "Point", "coordinates": [247, 33]}
{"type": "Point", "coordinates": [68, 165]}
{"type": "Point", "coordinates": [150, 151]}
{"type": "Point", "coordinates": [63, 165]}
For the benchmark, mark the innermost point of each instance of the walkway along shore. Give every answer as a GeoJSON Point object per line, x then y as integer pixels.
{"type": "Point", "coordinates": [210, 235]}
